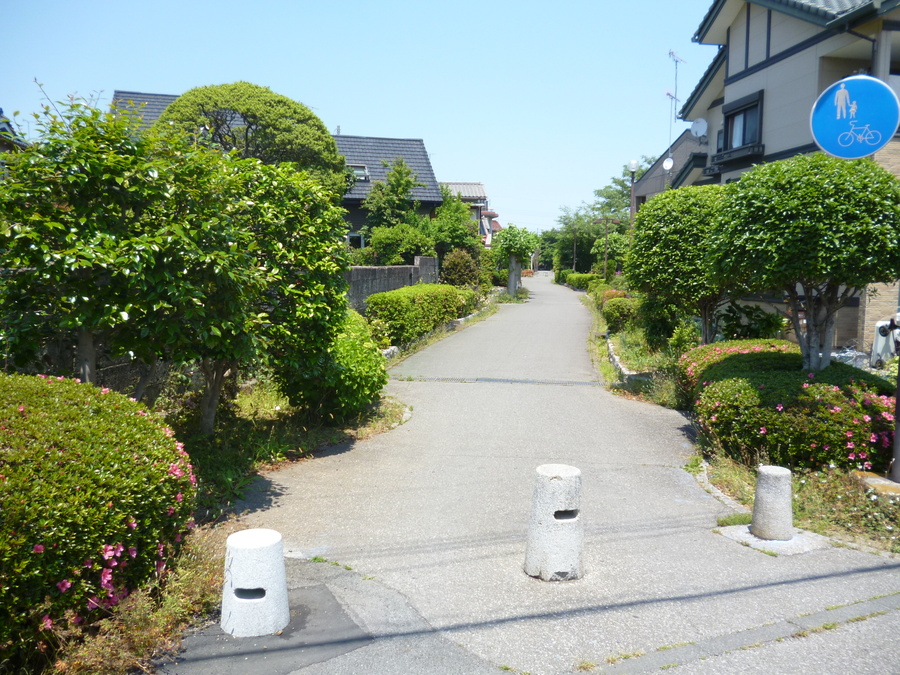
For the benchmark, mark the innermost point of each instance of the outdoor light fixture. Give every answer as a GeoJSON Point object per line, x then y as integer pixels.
{"type": "Point", "coordinates": [632, 167]}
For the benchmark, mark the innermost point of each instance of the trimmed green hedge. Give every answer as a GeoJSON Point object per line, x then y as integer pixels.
{"type": "Point", "coordinates": [753, 400]}
{"type": "Point", "coordinates": [95, 497]}
{"type": "Point", "coordinates": [578, 280]}
{"type": "Point", "coordinates": [414, 311]}
{"type": "Point", "coordinates": [619, 313]}
{"type": "Point", "coordinates": [562, 276]}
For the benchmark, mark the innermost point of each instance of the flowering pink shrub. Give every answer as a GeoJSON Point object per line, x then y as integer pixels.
{"type": "Point", "coordinates": [95, 493]}
{"type": "Point", "coordinates": [753, 401]}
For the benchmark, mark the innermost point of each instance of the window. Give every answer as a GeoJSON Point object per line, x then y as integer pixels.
{"type": "Point", "coordinates": [742, 123]}
{"type": "Point", "coordinates": [360, 171]}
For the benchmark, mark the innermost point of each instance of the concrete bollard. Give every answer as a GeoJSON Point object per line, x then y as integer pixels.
{"type": "Point", "coordinates": [772, 508]}
{"type": "Point", "coordinates": [556, 532]}
{"type": "Point", "coordinates": [254, 596]}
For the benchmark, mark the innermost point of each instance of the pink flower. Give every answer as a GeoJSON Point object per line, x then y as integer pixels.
{"type": "Point", "coordinates": [762, 430]}
{"type": "Point", "coordinates": [811, 375]}
{"type": "Point", "coordinates": [93, 602]}
{"type": "Point", "coordinates": [63, 585]}
{"type": "Point", "coordinates": [108, 551]}
{"type": "Point", "coordinates": [170, 511]}
{"type": "Point", "coordinates": [179, 497]}
{"type": "Point", "coordinates": [191, 525]}
{"type": "Point", "coordinates": [176, 470]}
{"type": "Point", "coordinates": [178, 538]}
{"type": "Point", "coordinates": [132, 552]}
{"type": "Point", "coordinates": [89, 563]}
{"type": "Point", "coordinates": [849, 434]}
{"type": "Point", "coordinates": [47, 622]}
{"type": "Point", "coordinates": [863, 455]}
{"type": "Point", "coordinates": [887, 416]}
{"type": "Point", "coordinates": [132, 523]}
{"type": "Point", "coordinates": [38, 548]}
{"type": "Point", "coordinates": [806, 385]}
{"type": "Point", "coordinates": [106, 579]}
{"type": "Point", "coordinates": [867, 465]}
{"type": "Point", "coordinates": [851, 456]}
{"type": "Point", "coordinates": [168, 432]}
{"type": "Point", "coordinates": [873, 438]}
{"type": "Point", "coordinates": [851, 445]}
{"type": "Point", "coordinates": [779, 407]}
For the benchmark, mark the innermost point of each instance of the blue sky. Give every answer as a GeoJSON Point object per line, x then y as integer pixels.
{"type": "Point", "coordinates": [543, 102]}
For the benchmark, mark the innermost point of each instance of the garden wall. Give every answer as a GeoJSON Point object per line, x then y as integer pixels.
{"type": "Point", "coordinates": [364, 281]}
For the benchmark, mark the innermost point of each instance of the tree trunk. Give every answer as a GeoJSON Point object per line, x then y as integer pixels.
{"type": "Point", "coordinates": [145, 379]}
{"type": "Point", "coordinates": [87, 356]}
{"type": "Point", "coordinates": [515, 276]}
{"type": "Point", "coordinates": [214, 373]}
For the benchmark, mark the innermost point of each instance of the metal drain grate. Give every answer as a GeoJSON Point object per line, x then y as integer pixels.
{"type": "Point", "coordinates": [496, 380]}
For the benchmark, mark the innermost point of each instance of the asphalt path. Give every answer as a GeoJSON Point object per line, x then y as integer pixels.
{"type": "Point", "coordinates": [426, 529]}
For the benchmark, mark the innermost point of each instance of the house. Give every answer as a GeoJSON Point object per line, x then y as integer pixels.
{"type": "Point", "coordinates": [774, 59]}
{"type": "Point", "coordinates": [680, 165]}
{"type": "Point", "coordinates": [9, 139]}
{"type": "Point", "coordinates": [148, 106]}
{"type": "Point", "coordinates": [370, 159]}
{"type": "Point", "coordinates": [476, 197]}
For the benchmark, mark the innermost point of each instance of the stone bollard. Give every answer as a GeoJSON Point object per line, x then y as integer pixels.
{"type": "Point", "coordinates": [556, 532]}
{"type": "Point", "coordinates": [254, 596]}
{"type": "Point", "coordinates": [772, 507]}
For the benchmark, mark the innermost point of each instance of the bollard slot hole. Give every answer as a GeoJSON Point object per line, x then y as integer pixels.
{"type": "Point", "coordinates": [571, 514]}
{"type": "Point", "coordinates": [250, 593]}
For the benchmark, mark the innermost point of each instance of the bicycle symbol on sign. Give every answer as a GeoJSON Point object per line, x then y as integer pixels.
{"type": "Point", "coordinates": [861, 134]}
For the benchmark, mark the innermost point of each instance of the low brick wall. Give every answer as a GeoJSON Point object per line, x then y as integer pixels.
{"type": "Point", "coordinates": [365, 281]}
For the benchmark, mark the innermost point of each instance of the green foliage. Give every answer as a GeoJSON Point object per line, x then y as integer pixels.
{"type": "Point", "coordinates": [399, 244]}
{"type": "Point", "coordinates": [257, 122]}
{"type": "Point", "coordinates": [753, 401]}
{"type": "Point", "coordinates": [95, 494]}
{"type": "Point", "coordinates": [750, 322]}
{"type": "Point", "coordinates": [581, 281]}
{"type": "Point", "coordinates": [684, 338]}
{"type": "Point", "coordinates": [488, 269]}
{"type": "Point", "coordinates": [460, 269]}
{"type": "Point", "coordinates": [814, 227]}
{"type": "Point", "coordinates": [452, 226]}
{"type": "Point", "coordinates": [350, 376]}
{"type": "Point", "coordinates": [669, 251]}
{"type": "Point", "coordinates": [391, 202]}
{"type": "Point", "coordinates": [515, 242]}
{"type": "Point", "coordinates": [613, 248]}
{"type": "Point", "coordinates": [414, 311]}
{"type": "Point", "coordinates": [620, 313]}
{"type": "Point", "coordinates": [561, 276]}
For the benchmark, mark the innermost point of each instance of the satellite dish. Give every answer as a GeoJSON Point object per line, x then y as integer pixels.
{"type": "Point", "coordinates": [668, 163]}
{"type": "Point", "coordinates": [699, 127]}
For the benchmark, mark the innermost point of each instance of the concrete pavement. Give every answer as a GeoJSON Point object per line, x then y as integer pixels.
{"type": "Point", "coordinates": [427, 528]}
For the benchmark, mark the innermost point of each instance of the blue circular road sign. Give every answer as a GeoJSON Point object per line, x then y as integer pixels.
{"type": "Point", "coordinates": [855, 117]}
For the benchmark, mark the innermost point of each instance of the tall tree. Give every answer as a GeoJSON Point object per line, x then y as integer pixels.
{"type": "Point", "coordinates": [452, 226]}
{"type": "Point", "coordinates": [516, 244]}
{"type": "Point", "coordinates": [257, 122]}
{"type": "Point", "coordinates": [817, 228]}
{"type": "Point", "coordinates": [668, 258]}
{"type": "Point", "coordinates": [390, 202]}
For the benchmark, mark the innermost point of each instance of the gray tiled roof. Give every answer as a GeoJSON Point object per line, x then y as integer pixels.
{"type": "Point", "coordinates": [372, 152]}
{"type": "Point", "coordinates": [469, 192]}
{"type": "Point", "coordinates": [154, 104]}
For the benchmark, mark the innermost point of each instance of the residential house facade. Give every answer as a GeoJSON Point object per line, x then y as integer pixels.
{"type": "Point", "coordinates": [775, 57]}
{"type": "Point", "coordinates": [370, 158]}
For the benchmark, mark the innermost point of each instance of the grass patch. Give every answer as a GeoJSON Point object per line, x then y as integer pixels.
{"type": "Point", "coordinates": [585, 666]}
{"type": "Point", "coordinates": [735, 519]}
{"type": "Point", "coordinates": [521, 295]}
{"type": "Point", "coordinates": [624, 657]}
{"type": "Point", "coordinates": [828, 501]}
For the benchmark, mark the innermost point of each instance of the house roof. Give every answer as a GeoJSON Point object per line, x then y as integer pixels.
{"type": "Point", "coordinates": [8, 133]}
{"type": "Point", "coordinates": [703, 86]}
{"type": "Point", "coordinates": [148, 106]}
{"type": "Point", "coordinates": [469, 192]}
{"type": "Point", "coordinates": [372, 152]}
{"type": "Point", "coordinates": [826, 13]}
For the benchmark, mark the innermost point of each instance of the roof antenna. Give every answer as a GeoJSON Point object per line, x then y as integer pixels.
{"type": "Point", "coordinates": [338, 132]}
{"type": "Point", "coordinates": [674, 96]}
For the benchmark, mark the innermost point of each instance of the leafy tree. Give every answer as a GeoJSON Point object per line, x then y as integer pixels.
{"type": "Point", "coordinates": [611, 249]}
{"type": "Point", "coordinates": [257, 122]}
{"type": "Point", "coordinates": [669, 252]}
{"type": "Point", "coordinates": [576, 237]}
{"type": "Point", "coordinates": [460, 269]}
{"type": "Point", "coordinates": [516, 244]}
{"type": "Point", "coordinates": [452, 226]}
{"type": "Point", "coordinates": [391, 202]}
{"type": "Point", "coordinates": [614, 200]}
{"type": "Point", "coordinates": [400, 244]}
{"type": "Point", "coordinates": [817, 228]}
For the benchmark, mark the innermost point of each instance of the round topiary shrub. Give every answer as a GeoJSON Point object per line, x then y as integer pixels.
{"type": "Point", "coordinates": [95, 496]}
{"type": "Point", "coordinates": [460, 269]}
{"type": "Point", "coordinates": [619, 313]}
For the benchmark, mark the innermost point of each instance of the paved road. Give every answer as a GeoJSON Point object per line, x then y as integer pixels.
{"type": "Point", "coordinates": [432, 520]}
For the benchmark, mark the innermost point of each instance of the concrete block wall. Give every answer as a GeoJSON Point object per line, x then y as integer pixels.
{"type": "Point", "coordinates": [365, 281]}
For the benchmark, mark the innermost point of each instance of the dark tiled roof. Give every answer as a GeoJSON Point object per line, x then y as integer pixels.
{"type": "Point", "coordinates": [372, 152]}
{"type": "Point", "coordinates": [469, 192]}
{"type": "Point", "coordinates": [8, 135]}
{"type": "Point", "coordinates": [153, 104]}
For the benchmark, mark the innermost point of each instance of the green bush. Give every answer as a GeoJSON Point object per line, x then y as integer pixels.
{"type": "Point", "coordinates": [750, 322]}
{"type": "Point", "coordinates": [414, 311]}
{"type": "Point", "coordinates": [619, 313]}
{"type": "Point", "coordinates": [609, 294]}
{"type": "Point", "coordinates": [578, 280]}
{"type": "Point", "coordinates": [459, 268]}
{"type": "Point", "coordinates": [562, 276]}
{"type": "Point", "coordinates": [350, 376]}
{"type": "Point", "coordinates": [400, 244]}
{"type": "Point", "coordinates": [753, 401]}
{"type": "Point", "coordinates": [95, 496]}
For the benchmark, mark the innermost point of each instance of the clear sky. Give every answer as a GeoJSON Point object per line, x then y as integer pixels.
{"type": "Point", "coordinates": [543, 102]}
